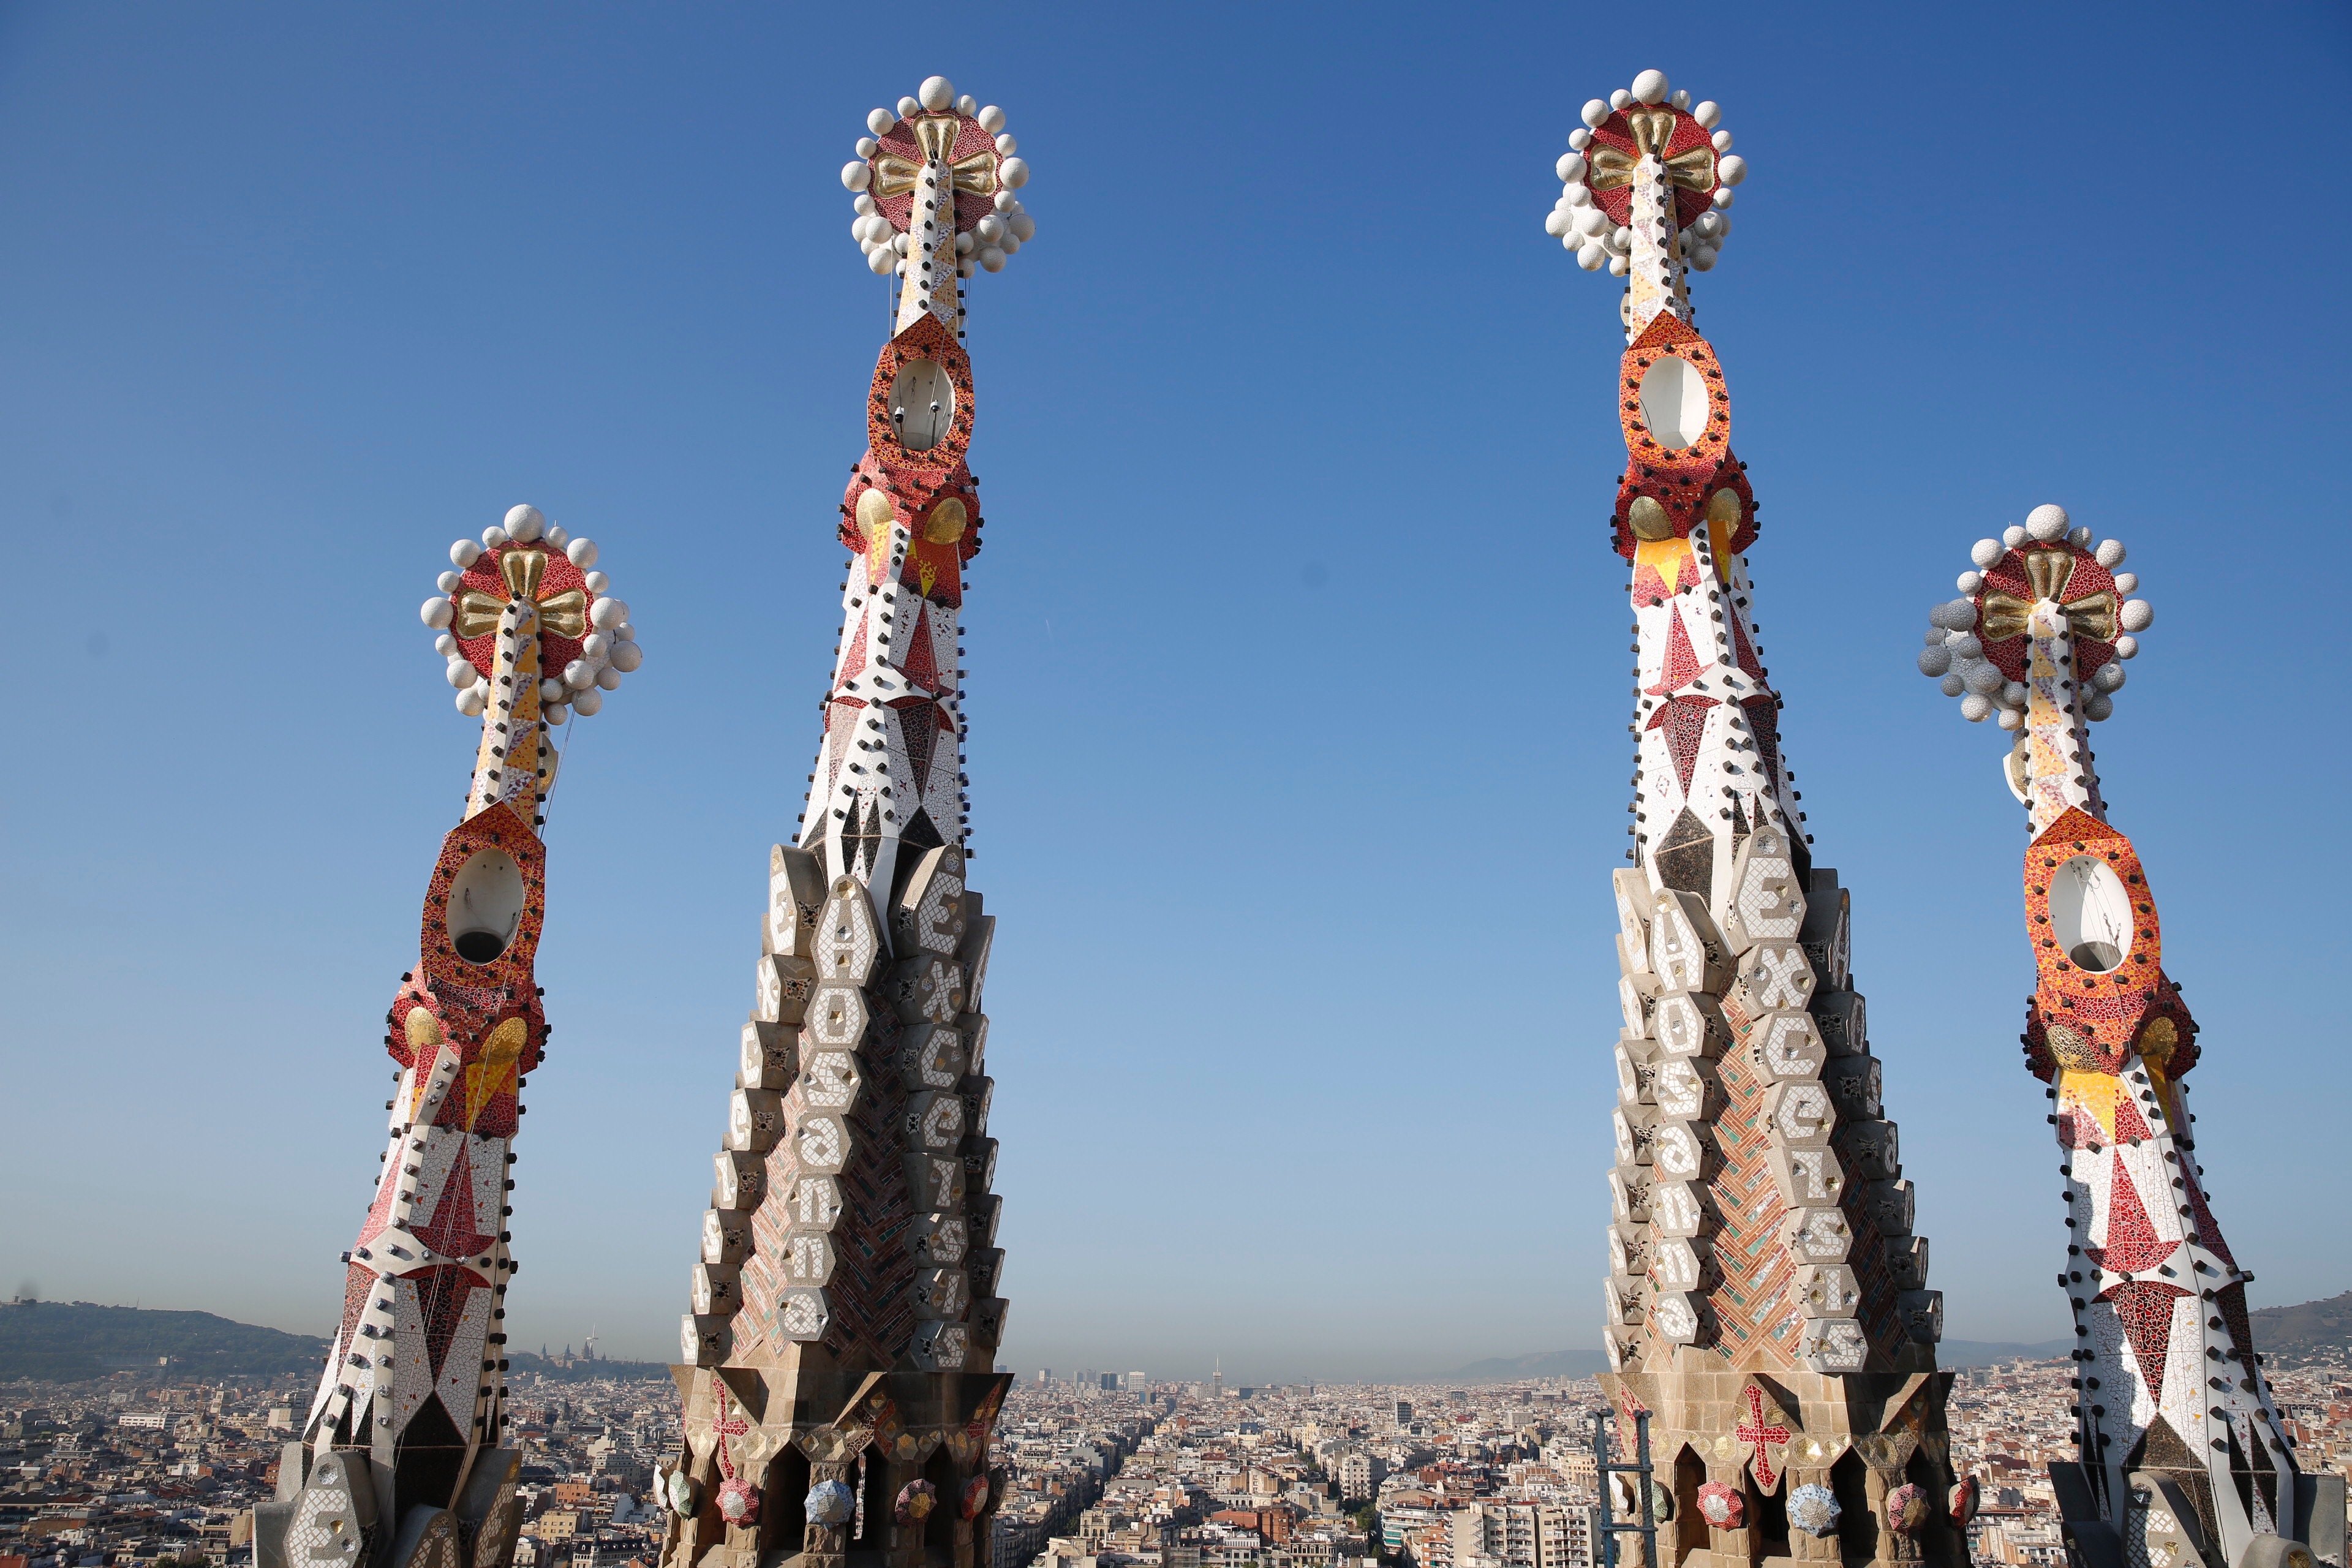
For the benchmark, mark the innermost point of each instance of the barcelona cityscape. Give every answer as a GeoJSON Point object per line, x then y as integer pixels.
{"type": "Point", "coordinates": [1342, 1046]}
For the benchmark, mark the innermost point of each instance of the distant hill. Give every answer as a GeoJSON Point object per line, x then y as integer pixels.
{"type": "Point", "coordinates": [2296, 1332]}
{"type": "Point", "coordinates": [69, 1342]}
{"type": "Point", "coordinates": [1991, 1353]}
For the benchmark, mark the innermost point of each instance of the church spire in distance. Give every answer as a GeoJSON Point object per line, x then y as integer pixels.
{"type": "Point", "coordinates": [1767, 1299]}
{"type": "Point", "coordinates": [2184, 1460]}
{"type": "Point", "coordinates": [839, 1380]}
{"type": "Point", "coordinates": [402, 1462]}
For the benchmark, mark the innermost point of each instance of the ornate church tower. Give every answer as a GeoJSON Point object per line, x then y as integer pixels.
{"type": "Point", "coordinates": [400, 1464]}
{"type": "Point", "coordinates": [2184, 1461]}
{"type": "Point", "coordinates": [1767, 1300]}
{"type": "Point", "coordinates": [841, 1388]}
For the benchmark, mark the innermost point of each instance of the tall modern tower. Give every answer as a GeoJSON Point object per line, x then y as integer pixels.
{"type": "Point", "coordinates": [2184, 1461]}
{"type": "Point", "coordinates": [840, 1386]}
{"type": "Point", "coordinates": [1767, 1299]}
{"type": "Point", "coordinates": [400, 1462]}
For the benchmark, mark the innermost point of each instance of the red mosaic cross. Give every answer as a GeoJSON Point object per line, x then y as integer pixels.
{"type": "Point", "coordinates": [1752, 1429]}
{"type": "Point", "coordinates": [725, 1426]}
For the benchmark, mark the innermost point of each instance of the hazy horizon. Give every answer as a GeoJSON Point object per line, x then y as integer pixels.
{"type": "Point", "coordinates": [1297, 691]}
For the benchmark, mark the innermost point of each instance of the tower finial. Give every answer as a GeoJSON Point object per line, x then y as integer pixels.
{"type": "Point", "coordinates": [2036, 641]}
{"type": "Point", "coordinates": [1644, 185]}
{"type": "Point", "coordinates": [934, 187]}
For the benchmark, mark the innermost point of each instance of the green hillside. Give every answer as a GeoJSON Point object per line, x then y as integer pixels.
{"type": "Point", "coordinates": [69, 1341]}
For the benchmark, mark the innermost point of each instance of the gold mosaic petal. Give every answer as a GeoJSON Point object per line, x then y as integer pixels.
{"type": "Point", "coordinates": [893, 176]}
{"type": "Point", "coordinates": [1610, 169]}
{"type": "Point", "coordinates": [2005, 617]}
{"type": "Point", "coordinates": [976, 175]}
{"type": "Point", "coordinates": [522, 570]}
{"type": "Point", "coordinates": [478, 614]}
{"type": "Point", "coordinates": [936, 135]}
{"type": "Point", "coordinates": [2093, 617]}
{"type": "Point", "coordinates": [2048, 570]}
{"type": "Point", "coordinates": [1694, 170]}
{"type": "Point", "coordinates": [565, 614]}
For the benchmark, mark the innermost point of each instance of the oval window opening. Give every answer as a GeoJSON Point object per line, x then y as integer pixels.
{"type": "Point", "coordinates": [2090, 914]}
{"type": "Point", "coordinates": [922, 403]}
{"type": "Point", "coordinates": [1673, 403]}
{"type": "Point", "coordinates": [485, 906]}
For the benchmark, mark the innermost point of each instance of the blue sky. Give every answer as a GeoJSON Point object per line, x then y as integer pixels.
{"type": "Point", "coordinates": [1296, 427]}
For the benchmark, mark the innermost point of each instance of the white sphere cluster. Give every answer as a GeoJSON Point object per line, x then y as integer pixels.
{"type": "Point", "coordinates": [1954, 654]}
{"type": "Point", "coordinates": [1587, 232]}
{"type": "Point", "coordinates": [982, 247]}
{"type": "Point", "coordinates": [608, 649]}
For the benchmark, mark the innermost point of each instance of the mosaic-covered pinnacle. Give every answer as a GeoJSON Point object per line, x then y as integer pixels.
{"type": "Point", "coordinates": [588, 643]}
{"type": "Point", "coordinates": [2043, 579]}
{"type": "Point", "coordinates": [1595, 217]}
{"type": "Point", "coordinates": [937, 150]}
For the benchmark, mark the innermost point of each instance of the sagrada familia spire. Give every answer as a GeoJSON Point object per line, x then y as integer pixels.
{"type": "Point", "coordinates": [1767, 1299]}
{"type": "Point", "coordinates": [840, 1386]}
{"type": "Point", "coordinates": [2184, 1461]}
{"type": "Point", "coordinates": [401, 1462]}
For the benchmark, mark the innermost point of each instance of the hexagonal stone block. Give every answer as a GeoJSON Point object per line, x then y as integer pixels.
{"type": "Point", "coordinates": [979, 1162]}
{"type": "Point", "coordinates": [808, 1258]}
{"type": "Point", "coordinates": [781, 988]}
{"type": "Point", "coordinates": [1890, 1205]}
{"type": "Point", "coordinates": [935, 1182]}
{"type": "Point", "coordinates": [1906, 1259]}
{"type": "Point", "coordinates": [930, 1055]}
{"type": "Point", "coordinates": [1817, 1235]}
{"type": "Point", "coordinates": [1922, 1312]}
{"type": "Point", "coordinates": [941, 1238]}
{"type": "Point", "coordinates": [803, 1315]}
{"type": "Point", "coordinates": [795, 900]}
{"type": "Point", "coordinates": [726, 1237]}
{"type": "Point", "coordinates": [1624, 1300]}
{"type": "Point", "coordinates": [1799, 1113]}
{"type": "Point", "coordinates": [1826, 932]}
{"type": "Point", "coordinates": [926, 990]}
{"type": "Point", "coordinates": [1871, 1150]}
{"type": "Point", "coordinates": [941, 1346]}
{"type": "Point", "coordinates": [1629, 1248]}
{"type": "Point", "coordinates": [814, 1204]}
{"type": "Point", "coordinates": [1683, 1089]}
{"type": "Point", "coordinates": [716, 1290]}
{"type": "Point", "coordinates": [979, 940]}
{"type": "Point", "coordinates": [1686, 952]}
{"type": "Point", "coordinates": [1675, 1209]}
{"type": "Point", "coordinates": [755, 1119]}
{"type": "Point", "coordinates": [837, 1018]}
{"type": "Point", "coordinates": [987, 1325]}
{"type": "Point", "coordinates": [1833, 1345]}
{"type": "Point", "coordinates": [1853, 1085]}
{"type": "Point", "coordinates": [1629, 1193]}
{"type": "Point", "coordinates": [769, 1057]}
{"type": "Point", "coordinates": [829, 1080]}
{"type": "Point", "coordinates": [1676, 1265]}
{"type": "Point", "coordinates": [1827, 1290]}
{"type": "Point", "coordinates": [705, 1341]}
{"type": "Point", "coordinates": [846, 945]}
{"type": "Point", "coordinates": [1674, 1316]}
{"type": "Point", "coordinates": [822, 1144]}
{"type": "Point", "coordinates": [1633, 1126]}
{"type": "Point", "coordinates": [1764, 904]}
{"type": "Point", "coordinates": [979, 1091]}
{"type": "Point", "coordinates": [927, 915]}
{"type": "Point", "coordinates": [1843, 1022]}
{"type": "Point", "coordinates": [1808, 1178]}
{"type": "Point", "coordinates": [1678, 1152]}
{"type": "Point", "coordinates": [942, 1293]}
{"type": "Point", "coordinates": [1634, 994]}
{"type": "Point", "coordinates": [1773, 974]}
{"type": "Point", "coordinates": [1788, 1045]}
{"type": "Point", "coordinates": [742, 1180]}
{"type": "Point", "coordinates": [933, 1121]}
{"type": "Point", "coordinates": [986, 1268]}
{"type": "Point", "coordinates": [1689, 1023]}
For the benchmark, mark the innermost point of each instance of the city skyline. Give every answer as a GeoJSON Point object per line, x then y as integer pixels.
{"type": "Point", "coordinates": [358, 287]}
